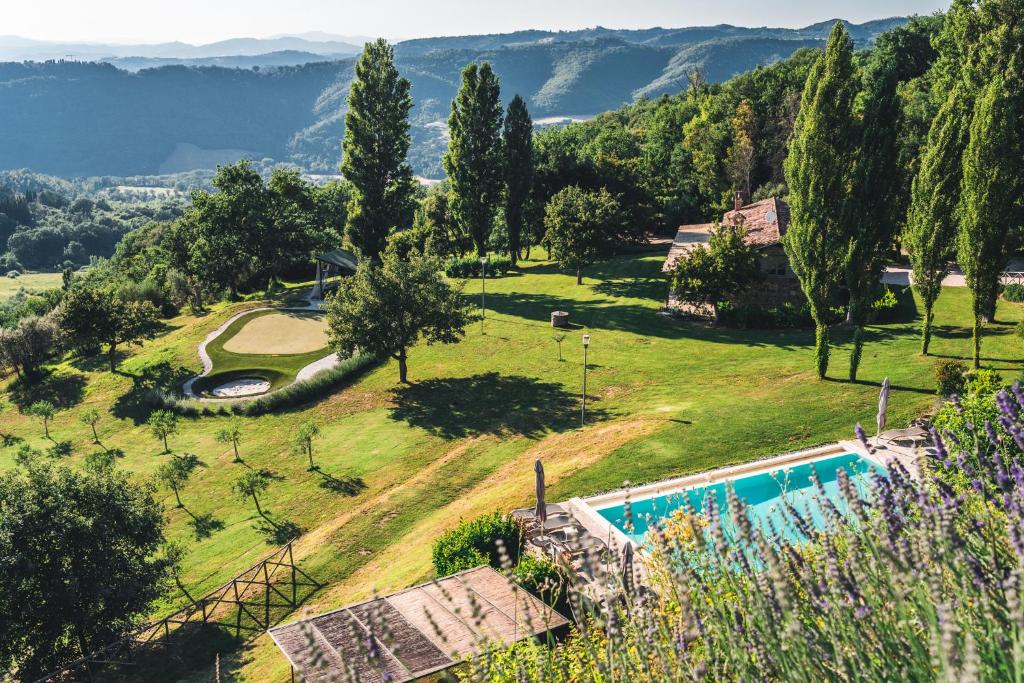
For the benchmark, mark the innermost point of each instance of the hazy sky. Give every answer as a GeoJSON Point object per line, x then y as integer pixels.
{"type": "Point", "coordinates": [200, 21]}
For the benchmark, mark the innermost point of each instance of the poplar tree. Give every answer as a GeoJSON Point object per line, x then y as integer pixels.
{"type": "Point", "coordinates": [517, 139]}
{"type": "Point", "coordinates": [742, 154]}
{"type": "Point", "coordinates": [818, 176]}
{"type": "Point", "coordinates": [878, 180]}
{"type": "Point", "coordinates": [375, 148]}
{"type": "Point", "coordinates": [988, 199]}
{"type": "Point", "coordinates": [473, 161]}
{"type": "Point", "coordinates": [931, 230]}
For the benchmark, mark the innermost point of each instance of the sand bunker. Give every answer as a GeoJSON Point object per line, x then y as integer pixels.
{"type": "Point", "coordinates": [279, 333]}
{"type": "Point", "coordinates": [250, 386]}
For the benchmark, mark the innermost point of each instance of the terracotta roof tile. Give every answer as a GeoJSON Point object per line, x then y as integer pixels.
{"type": "Point", "coordinates": [766, 222]}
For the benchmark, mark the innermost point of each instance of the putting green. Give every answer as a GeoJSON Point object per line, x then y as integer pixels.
{"type": "Point", "coordinates": [279, 334]}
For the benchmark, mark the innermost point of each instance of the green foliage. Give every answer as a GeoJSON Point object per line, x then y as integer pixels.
{"type": "Point", "coordinates": [475, 542]}
{"type": "Point", "coordinates": [474, 160]}
{"type": "Point", "coordinates": [91, 417]}
{"type": "Point", "coordinates": [162, 424]}
{"type": "Point", "coordinates": [818, 177]}
{"type": "Point", "coordinates": [748, 316]}
{"type": "Point", "coordinates": [110, 526]}
{"type": "Point", "coordinates": [250, 484]}
{"type": "Point", "coordinates": [174, 474]}
{"type": "Point", "coordinates": [517, 144]}
{"type": "Point", "coordinates": [1014, 292]}
{"type": "Point", "coordinates": [707, 276]}
{"type": "Point", "coordinates": [542, 578]}
{"type": "Point", "coordinates": [582, 227]}
{"type": "Point", "coordinates": [950, 377]}
{"type": "Point", "coordinates": [44, 410]}
{"type": "Point", "coordinates": [375, 148]}
{"type": "Point", "coordinates": [98, 317]}
{"type": "Point", "coordinates": [384, 309]}
{"type": "Point", "coordinates": [232, 434]}
{"type": "Point", "coordinates": [302, 442]}
{"type": "Point", "coordinates": [469, 266]}
{"type": "Point", "coordinates": [988, 201]}
{"type": "Point", "coordinates": [27, 345]}
{"type": "Point", "coordinates": [930, 233]}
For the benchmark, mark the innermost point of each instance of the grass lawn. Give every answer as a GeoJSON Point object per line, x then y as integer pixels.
{"type": "Point", "coordinates": [31, 281]}
{"type": "Point", "coordinates": [232, 359]}
{"type": "Point", "coordinates": [401, 464]}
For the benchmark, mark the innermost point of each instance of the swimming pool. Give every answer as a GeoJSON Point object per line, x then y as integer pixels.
{"type": "Point", "coordinates": [763, 492]}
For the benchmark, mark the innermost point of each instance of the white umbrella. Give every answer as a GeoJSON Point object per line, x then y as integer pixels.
{"type": "Point", "coordinates": [883, 405]}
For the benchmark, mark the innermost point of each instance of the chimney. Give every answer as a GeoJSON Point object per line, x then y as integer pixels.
{"type": "Point", "coordinates": [737, 200]}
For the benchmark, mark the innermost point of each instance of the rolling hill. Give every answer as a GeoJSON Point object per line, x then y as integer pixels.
{"type": "Point", "coordinates": [89, 118]}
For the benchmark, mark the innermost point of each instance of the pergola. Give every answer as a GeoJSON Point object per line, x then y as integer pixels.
{"type": "Point", "coordinates": [430, 627]}
{"type": "Point", "coordinates": [330, 264]}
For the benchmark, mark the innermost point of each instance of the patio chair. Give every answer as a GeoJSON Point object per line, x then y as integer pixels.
{"type": "Point", "coordinates": [915, 434]}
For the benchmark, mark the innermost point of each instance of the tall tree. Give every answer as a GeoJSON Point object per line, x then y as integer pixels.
{"type": "Point", "coordinates": [474, 161]}
{"type": "Point", "coordinates": [83, 564]}
{"type": "Point", "coordinates": [930, 234]}
{"type": "Point", "coordinates": [96, 317]}
{"type": "Point", "coordinates": [877, 179]}
{"type": "Point", "coordinates": [375, 148]}
{"type": "Point", "coordinates": [384, 309]}
{"type": "Point", "coordinates": [517, 139]}
{"type": "Point", "coordinates": [742, 153]}
{"type": "Point", "coordinates": [817, 172]}
{"type": "Point", "coordinates": [988, 201]}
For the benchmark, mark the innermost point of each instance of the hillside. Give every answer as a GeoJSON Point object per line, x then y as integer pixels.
{"type": "Point", "coordinates": [87, 119]}
{"type": "Point", "coordinates": [667, 398]}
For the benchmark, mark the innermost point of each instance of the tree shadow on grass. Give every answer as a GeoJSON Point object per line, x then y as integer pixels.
{"type": "Point", "coordinates": [488, 403]}
{"type": "Point", "coordinates": [62, 389]}
{"type": "Point", "coordinates": [348, 486]}
{"type": "Point", "coordinates": [277, 532]}
{"type": "Point", "coordinates": [637, 287]}
{"type": "Point", "coordinates": [204, 525]}
{"type": "Point", "coordinates": [137, 403]}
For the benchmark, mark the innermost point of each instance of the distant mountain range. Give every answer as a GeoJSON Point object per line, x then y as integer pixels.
{"type": "Point", "coordinates": [126, 110]}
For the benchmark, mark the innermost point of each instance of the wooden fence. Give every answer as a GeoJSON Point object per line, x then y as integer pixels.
{"type": "Point", "coordinates": [241, 604]}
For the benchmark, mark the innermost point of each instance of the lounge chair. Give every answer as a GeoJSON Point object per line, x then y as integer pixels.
{"type": "Point", "coordinates": [915, 434]}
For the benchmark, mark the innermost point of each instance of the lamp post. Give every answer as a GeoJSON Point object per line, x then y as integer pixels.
{"type": "Point", "coordinates": [583, 410]}
{"type": "Point", "coordinates": [483, 292]}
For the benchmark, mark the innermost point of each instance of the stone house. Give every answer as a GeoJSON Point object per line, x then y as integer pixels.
{"type": "Point", "coordinates": [765, 223]}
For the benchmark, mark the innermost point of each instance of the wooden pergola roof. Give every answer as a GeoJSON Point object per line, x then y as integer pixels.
{"type": "Point", "coordinates": [472, 609]}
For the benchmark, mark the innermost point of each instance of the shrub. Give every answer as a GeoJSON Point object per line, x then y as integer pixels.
{"type": "Point", "coordinates": [542, 578]}
{"type": "Point", "coordinates": [982, 382]}
{"type": "Point", "coordinates": [319, 386]}
{"type": "Point", "coordinates": [469, 266]}
{"type": "Point", "coordinates": [1014, 292]}
{"type": "Point", "coordinates": [950, 377]}
{"type": "Point", "coordinates": [475, 542]}
{"type": "Point", "coordinates": [751, 316]}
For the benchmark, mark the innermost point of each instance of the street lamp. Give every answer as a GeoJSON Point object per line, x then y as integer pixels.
{"type": "Point", "coordinates": [583, 411]}
{"type": "Point", "coordinates": [483, 292]}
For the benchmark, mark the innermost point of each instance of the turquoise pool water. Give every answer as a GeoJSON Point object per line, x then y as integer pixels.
{"type": "Point", "coordinates": [762, 492]}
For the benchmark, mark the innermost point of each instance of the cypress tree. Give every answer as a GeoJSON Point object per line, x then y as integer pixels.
{"type": "Point", "coordinates": [818, 175]}
{"type": "Point", "coordinates": [375, 147]}
{"type": "Point", "coordinates": [517, 139]}
{"type": "Point", "coordinates": [878, 179]}
{"type": "Point", "coordinates": [931, 229]}
{"type": "Point", "coordinates": [473, 161]}
{"type": "Point", "coordinates": [988, 199]}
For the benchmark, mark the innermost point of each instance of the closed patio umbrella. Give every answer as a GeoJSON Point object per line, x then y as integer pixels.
{"type": "Point", "coordinates": [883, 405]}
{"type": "Point", "coordinates": [627, 568]}
{"type": "Point", "coordinates": [542, 509]}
